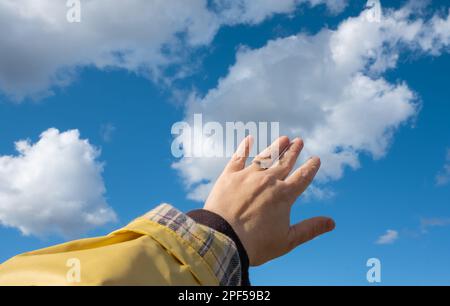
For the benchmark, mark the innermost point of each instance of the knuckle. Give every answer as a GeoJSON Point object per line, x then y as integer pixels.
{"type": "Point", "coordinates": [237, 158]}
{"type": "Point", "coordinates": [295, 240]}
{"type": "Point", "coordinates": [318, 228]}
{"type": "Point", "coordinates": [286, 193]}
{"type": "Point", "coordinates": [292, 244]}
{"type": "Point", "coordinates": [269, 179]}
{"type": "Point", "coordinates": [304, 175]}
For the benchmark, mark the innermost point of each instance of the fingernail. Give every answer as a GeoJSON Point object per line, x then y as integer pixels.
{"type": "Point", "coordinates": [316, 159]}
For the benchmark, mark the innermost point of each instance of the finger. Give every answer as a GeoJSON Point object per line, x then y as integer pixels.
{"type": "Point", "coordinates": [264, 159]}
{"type": "Point", "coordinates": [309, 229]}
{"type": "Point", "coordinates": [303, 176]}
{"type": "Point", "coordinates": [239, 158]}
{"type": "Point", "coordinates": [284, 165]}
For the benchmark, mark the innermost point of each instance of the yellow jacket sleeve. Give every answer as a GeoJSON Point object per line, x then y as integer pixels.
{"type": "Point", "coordinates": [163, 247]}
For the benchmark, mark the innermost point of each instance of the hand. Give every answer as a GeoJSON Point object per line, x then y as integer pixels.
{"type": "Point", "coordinates": [257, 202]}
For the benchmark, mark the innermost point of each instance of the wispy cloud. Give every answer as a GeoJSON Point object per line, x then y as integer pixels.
{"type": "Point", "coordinates": [106, 132]}
{"type": "Point", "coordinates": [388, 238]}
{"type": "Point", "coordinates": [443, 177]}
{"type": "Point", "coordinates": [427, 223]}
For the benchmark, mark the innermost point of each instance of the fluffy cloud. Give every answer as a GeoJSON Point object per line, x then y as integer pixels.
{"type": "Point", "coordinates": [53, 186]}
{"type": "Point", "coordinates": [327, 88]}
{"type": "Point", "coordinates": [41, 50]}
{"type": "Point", "coordinates": [443, 177]}
{"type": "Point", "coordinates": [388, 238]}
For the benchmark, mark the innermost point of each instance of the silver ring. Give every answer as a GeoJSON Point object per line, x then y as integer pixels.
{"type": "Point", "coordinates": [263, 164]}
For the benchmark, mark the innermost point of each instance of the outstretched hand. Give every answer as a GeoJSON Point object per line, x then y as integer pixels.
{"type": "Point", "coordinates": [257, 202]}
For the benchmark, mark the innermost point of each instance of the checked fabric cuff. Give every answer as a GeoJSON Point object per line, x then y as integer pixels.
{"type": "Point", "coordinates": [218, 250]}
{"type": "Point", "coordinates": [218, 223]}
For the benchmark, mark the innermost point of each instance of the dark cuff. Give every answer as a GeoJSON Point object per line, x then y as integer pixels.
{"type": "Point", "coordinates": [219, 224]}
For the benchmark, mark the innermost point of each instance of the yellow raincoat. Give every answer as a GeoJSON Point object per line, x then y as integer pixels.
{"type": "Point", "coordinates": [163, 247]}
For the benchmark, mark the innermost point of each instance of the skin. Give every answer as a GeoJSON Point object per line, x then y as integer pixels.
{"type": "Point", "coordinates": [257, 202]}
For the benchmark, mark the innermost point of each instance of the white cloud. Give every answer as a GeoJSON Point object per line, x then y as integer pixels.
{"type": "Point", "coordinates": [41, 50]}
{"type": "Point", "coordinates": [328, 88]}
{"type": "Point", "coordinates": [53, 186]}
{"type": "Point", "coordinates": [251, 11]}
{"type": "Point", "coordinates": [388, 238]}
{"type": "Point", "coordinates": [443, 177]}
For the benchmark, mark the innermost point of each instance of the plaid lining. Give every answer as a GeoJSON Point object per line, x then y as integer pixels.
{"type": "Point", "coordinates": [217, 249]}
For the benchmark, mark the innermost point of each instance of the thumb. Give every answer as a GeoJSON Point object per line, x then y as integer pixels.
{"type": "Point", "coordinates": [309, 229]}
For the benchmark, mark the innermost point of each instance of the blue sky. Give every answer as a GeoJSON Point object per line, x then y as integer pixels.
{"type": "Point", "coordinates": [395, 191]}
